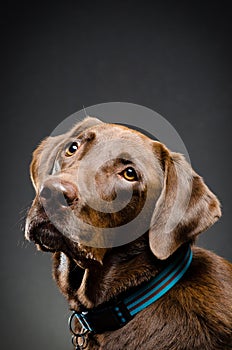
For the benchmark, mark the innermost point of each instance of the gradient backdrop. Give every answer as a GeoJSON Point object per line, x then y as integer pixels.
{"type": "Point", "coordinates": [172, 57]}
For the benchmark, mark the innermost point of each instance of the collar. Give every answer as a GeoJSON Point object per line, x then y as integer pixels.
{"type": "Point", "coordinates": [116, 314]}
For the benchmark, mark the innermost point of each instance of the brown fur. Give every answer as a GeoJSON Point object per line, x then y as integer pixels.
{"type": "Point", "coordinates": [196, 314]}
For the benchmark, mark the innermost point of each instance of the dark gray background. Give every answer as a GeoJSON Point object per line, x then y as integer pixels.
{"type": "Point", "coordinates": [172, 57]}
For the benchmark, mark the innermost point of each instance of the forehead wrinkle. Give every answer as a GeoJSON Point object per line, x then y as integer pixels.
{"type": "Point", "coordinates": [111, 132]}
{"type": "Point", "coordinates": [132, 138]}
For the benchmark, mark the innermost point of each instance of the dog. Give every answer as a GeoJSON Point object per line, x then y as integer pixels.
{"type": "Point", "coordinates": [101, 278]}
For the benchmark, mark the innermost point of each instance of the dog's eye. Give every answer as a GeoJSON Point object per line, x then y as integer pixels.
{"type": "Point", "coordinates": [71, 149]}
{"type": "Point", "coordinates": [130, 174]}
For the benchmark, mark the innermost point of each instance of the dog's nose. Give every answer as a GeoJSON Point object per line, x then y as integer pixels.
{"type": "Point", "coordinates": [58, 193]}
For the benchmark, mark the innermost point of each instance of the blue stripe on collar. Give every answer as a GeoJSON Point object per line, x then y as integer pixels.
{"type": "Point", "coordinates": [114, 316]}
{"type": "Point", "coordinates": [159, 285]}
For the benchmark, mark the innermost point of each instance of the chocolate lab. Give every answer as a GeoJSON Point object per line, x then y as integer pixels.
{"type": "Point", "coordinates": [120, 214]}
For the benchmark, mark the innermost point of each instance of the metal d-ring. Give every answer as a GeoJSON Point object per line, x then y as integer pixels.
{"type": "Point", "coordinates": [71, 328]}
{"type": "Point", "coordinates": [76, 336]}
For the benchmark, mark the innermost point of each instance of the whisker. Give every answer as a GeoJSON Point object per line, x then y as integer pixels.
{"type": "Point", "coordinates": [85, 111]}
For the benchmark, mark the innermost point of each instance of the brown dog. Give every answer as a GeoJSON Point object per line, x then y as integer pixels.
{"type": "Point", "coordinates": [95, 272]}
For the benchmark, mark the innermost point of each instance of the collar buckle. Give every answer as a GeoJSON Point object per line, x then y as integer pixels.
{"type": "Point", "coordinates": [110, 317]}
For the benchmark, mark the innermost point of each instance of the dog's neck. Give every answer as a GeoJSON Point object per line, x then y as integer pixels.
{"type": "Point", "coordinates": [100, 284]}
{"type": "Point", "coordinates": [119, 273]}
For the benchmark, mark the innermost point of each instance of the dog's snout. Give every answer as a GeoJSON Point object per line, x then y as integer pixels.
{"type": "Point", "coordinates": [58, 193]}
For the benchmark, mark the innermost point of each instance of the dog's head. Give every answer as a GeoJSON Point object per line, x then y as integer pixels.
{"type": "Point", "coordinates": [98, 178]}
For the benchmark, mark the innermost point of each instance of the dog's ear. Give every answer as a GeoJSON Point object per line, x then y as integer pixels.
{"type": "Point", "coordinates": [185, 208]}
{"type": "Point", "coordinates": [45, 154]}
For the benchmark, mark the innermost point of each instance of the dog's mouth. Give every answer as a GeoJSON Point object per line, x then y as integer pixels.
{"type": "Point", "coordinates": [41, 231]}
{"type": "Point", "coordinates": [46, 236]}
{"type": "Point", "coordinates": [49, 239]}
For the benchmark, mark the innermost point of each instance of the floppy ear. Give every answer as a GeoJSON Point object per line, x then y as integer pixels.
{"type": "Point", "coordinates": [43, 159]}
{"type": "Point", "coordinates": [45, 154]}
{"type": "Point", "coordinates": [185, 208]}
